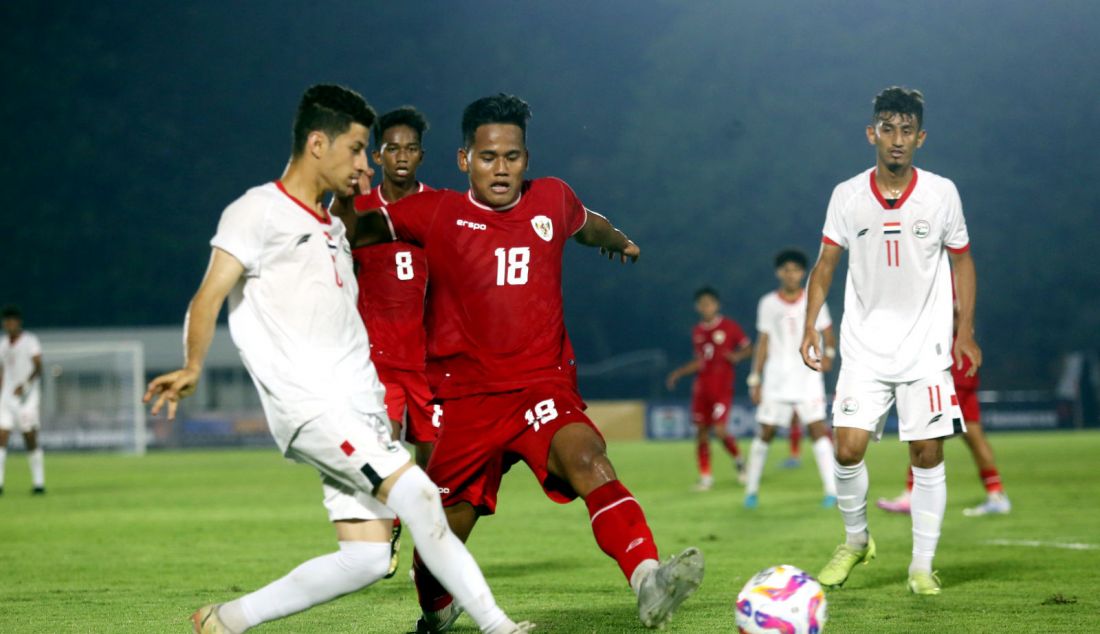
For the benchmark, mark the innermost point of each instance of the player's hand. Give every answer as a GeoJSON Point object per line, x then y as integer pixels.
{"type": "Point", "coordinates": [170, 388]}
{"type": "Point", "coordinates": [754, 394]}
{"type": "Point", "coordinates": [811, 350]}
{"type": "Point", "coordinates": [629, 252]}
{"type": "Point", "coordinates": [670, 381]}
{"type": "Point", "coordinates": [966, 346]}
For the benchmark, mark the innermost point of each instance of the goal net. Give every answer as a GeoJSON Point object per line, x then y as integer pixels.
{"type": "Point", "coordinates": [91, 397]}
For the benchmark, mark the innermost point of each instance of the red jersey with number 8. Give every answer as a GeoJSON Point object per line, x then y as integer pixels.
{"type": "Point", "coordinates": [392, 281]}
{"type": "Point", "coordinates": [494, 314]}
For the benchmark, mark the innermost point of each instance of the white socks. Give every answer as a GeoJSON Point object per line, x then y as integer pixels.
{"type": "Point", "coordinates": [927, 503]}
{"type": "Point", "coordinates": [415, 499]}
{"type": "Point", "coordinates": [3, 461]}
{"type": "Point", "coordinates": [356, 565]}
{"type": "Point", "coordinates": [758, 455]}
{"type": "Point", "coordinates": [823, 456]}
{"type": "Point", "coordinates": [851, 499]}
{"type": "Point", "coordinates": [38, 468]}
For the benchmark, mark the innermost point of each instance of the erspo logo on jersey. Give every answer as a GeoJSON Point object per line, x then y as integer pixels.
{"type": "Point", "coordinates": [471, 225]}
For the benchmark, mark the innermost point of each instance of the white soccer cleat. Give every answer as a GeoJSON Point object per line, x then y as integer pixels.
{"type": "Point", "coordinates": [669, 585]}
{"type": "Point", "coordinates": [995, 504]}
{"type": "Point", "coordinates": [706, 483]}
{"type": "Point", "coordinates": [522, 627]}
{"type": "Point", "coordinates": [439, 621]}
{"type": "Point", "coordinates": [205, 620]}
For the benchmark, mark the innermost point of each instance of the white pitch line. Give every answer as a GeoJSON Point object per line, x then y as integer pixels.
{"type": "Point", "coordinates": [1038, 544]}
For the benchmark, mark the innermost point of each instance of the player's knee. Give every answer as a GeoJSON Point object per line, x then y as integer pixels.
{"type": "Point", "coordinates": [848, 455]}
{"type": "Point", "coordinates": [363, 563]}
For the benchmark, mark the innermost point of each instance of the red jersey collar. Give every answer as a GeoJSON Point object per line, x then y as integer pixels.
{"type": "Point", "coordinates": [378, 192]}
{"type": "Point", "coordinates": [904, 196]}
{"type": "Point", "coordinates": [327, 220]}
{"type": "Point", "coordinates": [470, 197]}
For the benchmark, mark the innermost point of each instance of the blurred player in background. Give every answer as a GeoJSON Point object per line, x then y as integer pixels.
{"type": "Point", "coordinates": [996, 501]}
{"type": "Point", "coordinates": [905, 233]}
{"type": "Point", "coordinates": [21, 394]}
{"type": "Point", "coordinates": [720, 344]}
{"type": "Point", "coordinates": [501, 360]}
{"type": "Point", "coordinates": [286, 267]}
{"type": "Point", "coordinates": [781, 386]}
{"type": "Point", "coordinates": [392, 279]}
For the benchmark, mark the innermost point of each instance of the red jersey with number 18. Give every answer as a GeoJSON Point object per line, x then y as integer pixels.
{"type": "Point", "coordinates": [494, 314]}
{"type": "Point", "coordinates": [392, 281]}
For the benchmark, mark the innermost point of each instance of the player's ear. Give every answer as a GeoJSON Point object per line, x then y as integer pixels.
{"type": "Point", "coordinates": [871, 134]}
{"type": "Point", "coordinates": [921, 136]}
{"type": "Point", "coordinates": [317, 143]}
{"type": "Point", "coordinates": [463, 160]}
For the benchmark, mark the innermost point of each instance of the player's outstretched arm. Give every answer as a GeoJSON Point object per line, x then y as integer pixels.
{"type": "Point", "coordinates": [817, 289]}
{"type": "Point", "coordinates": [198, 331]}
{"type": "Point", "coordinates": [599, 232]}
{"type": "Point", "coordinates": [966, 291]}
{"type": "Point", "coordinates": [691, 367]}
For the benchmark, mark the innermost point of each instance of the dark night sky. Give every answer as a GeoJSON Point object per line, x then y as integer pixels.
{"type": "Point", "coordinates": [713, 133]}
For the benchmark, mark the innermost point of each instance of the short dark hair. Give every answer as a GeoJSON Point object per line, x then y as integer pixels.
{"type": "Point", "coordinates": [791, 255]}
{"type": "Point", "coordinates": [500, 108]}
{"type": "Point", "coordinates": [703, 292]}
{"type": "Point", "coordinates": [897, 100]}
{"type": "Point", "coordinates": [11, 310]}
{"type": "Point", "coordinates": [331, 109]}
{"type": "Point", "coordinates": [405, 115]}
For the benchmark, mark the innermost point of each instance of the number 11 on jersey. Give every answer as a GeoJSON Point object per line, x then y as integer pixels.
{"type": "Point", "coordinates": [512, 265]}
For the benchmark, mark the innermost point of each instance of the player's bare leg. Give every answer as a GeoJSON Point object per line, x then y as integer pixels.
{"type": "Point", "coordinates": [730, 444]}
{"type": "Point", "coordinates": [579, 456]}
{"type": "Point", "coordinates": [36, 462]}
{"type": "Point", "coordinates": [851, 486]}
{"type": "Point", "coordinates": [758, 457]}
{"type": "Point", "coordinates": [929, 499]}
{"type": "Point", "coordinates": [996, 499]}
{"type": "Point", "coordinates": [823, 456]}
{"type": "Point", "coordinates": [5, 435]}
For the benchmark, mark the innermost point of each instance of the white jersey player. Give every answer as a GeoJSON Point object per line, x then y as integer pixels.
{"type": "Point", "coordinates": [286, 267]}
{"type": "Point", "coordinates": [20, 395]}
{"type": "Point", "coordinates": [905, 233]}
{"type": "Point", "coordinates": [780, 385]}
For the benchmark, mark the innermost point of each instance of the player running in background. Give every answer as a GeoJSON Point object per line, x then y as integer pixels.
{"type": "Point", "coordinates": [905, 232]}
{"type": "Point", "coordinates": [719, 344]}
{"type": "Point", "coordinates": [501, 357]}
{"type": "Point", "coordinates": [286, 267]}
{"type": "Point", "coordinates": [781, 386]}
{"type": "Point", "coordinates": [20, 395]}
{"type": "Point", "coordinates": [392, 281]}
{"type": "Point", "coordinates": [996, 502]}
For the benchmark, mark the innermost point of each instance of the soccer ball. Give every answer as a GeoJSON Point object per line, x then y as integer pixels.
{"type": "Point", "coordinates": [780, 600]}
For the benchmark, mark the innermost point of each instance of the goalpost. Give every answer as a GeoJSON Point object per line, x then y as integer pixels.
{"type": "Point", "coordinates": [91, 396]}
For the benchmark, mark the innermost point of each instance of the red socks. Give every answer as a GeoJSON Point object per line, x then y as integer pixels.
{"type": "Point", "coordinates": [731, 446]}
{"type": "Point", "coordinates": [619, 526]}
{"type": "Point", "coordinates": [909, 480]}
{"type": "Point", "coordinates": [433, 596]}
{"type": "Point", "coordinates": [991, 478]}
{"type": "Point", "coordinates": [796, 440]}
{"type": "Point", "coordinates": [702, 453]}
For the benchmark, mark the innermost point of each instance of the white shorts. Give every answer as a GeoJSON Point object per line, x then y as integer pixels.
{"type": "Point", "coordinates": [19, 413]}
{"type": "Point", "coordinates": [354, 453]}
{"type": "Point", "coordinates": [927, 408]}
{"type": "Point", "coordinates": [780, 413]}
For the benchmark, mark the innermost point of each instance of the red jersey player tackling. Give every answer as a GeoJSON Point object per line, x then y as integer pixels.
{"type": "Point", "coordinates": [719, 345]}
{"type": "Point", "coordinates": [499, 356]}
{"type": "Point", "coordinates": [393, 278]}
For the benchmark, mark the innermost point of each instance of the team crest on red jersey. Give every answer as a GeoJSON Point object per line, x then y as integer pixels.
{"type": "Point", "coordinates": [543, 227]}
{"type": "Point", "coordinates": [719, 337]}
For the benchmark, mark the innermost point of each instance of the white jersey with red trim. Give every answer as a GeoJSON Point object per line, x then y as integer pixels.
{"type": "Point", "coordinates": [897, 299]}
{"type": "Point", "coordinates": [17, 358]}
{"type": "Point", "coordinates": [786, 377]}
{"type": "Point", "coordinates": [293, 313]}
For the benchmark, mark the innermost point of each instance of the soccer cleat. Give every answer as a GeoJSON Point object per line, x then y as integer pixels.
{"type": "Point", "coordinates": [900, 504]}
{"type": "Point", "coordinates": [742, 477]}
{"type": "Point", "coordinates": [995, 504]}
{"type": "Point", "coordinates": [395, 549]}
{"type": "Point", "coordinates": [440, 620]}
{"type": "Point", "coordinates": [793, 462]}
{"type": "Point", "coordinates": [924, 583]}
{"type": "Point", "coordinates": [205, 620]}
{"type": "Point", "coordinates": [669, 585]}
{"type": "Point", "coordinates": [845, 558]}
{"type": "Point", "coordinates": [751, 501]}
{"type": "Point", "coordinates": [828, 502]}
{"type": "Point", "coordinates": [38, 491]}
{"type": "Point", "coordinates": [706, 483]}
{"type": "Point", "coordinates": [522, 628]}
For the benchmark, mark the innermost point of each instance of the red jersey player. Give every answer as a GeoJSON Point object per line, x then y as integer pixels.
{"type": "Point", "coordinates": [499, 356]}
{"type": "Point", "coordinates": [719, 345]}
{"type": "Point", "coordinates": [392, 281]}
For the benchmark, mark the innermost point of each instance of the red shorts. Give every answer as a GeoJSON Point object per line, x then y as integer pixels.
{"type": "Point", "coordinates": [486, 434]}
{"type": "Point", "coordinates": [407, 392]}
{"type": "Point", "coordinates": [710, 407]}
{"type": "Point", "coordinates": [968, 403]}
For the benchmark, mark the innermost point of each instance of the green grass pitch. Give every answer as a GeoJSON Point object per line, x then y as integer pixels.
{"type": "Point", "coordinates": [126, 544]}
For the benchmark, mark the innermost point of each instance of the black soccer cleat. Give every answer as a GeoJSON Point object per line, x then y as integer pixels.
{"type": "Point", "coordinates": [38, 491]}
